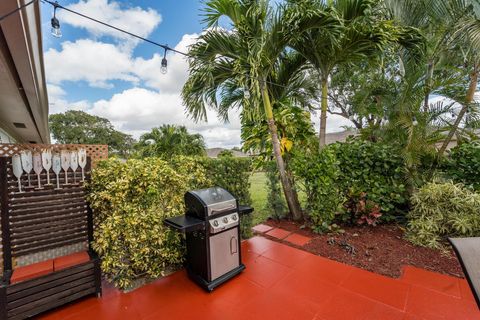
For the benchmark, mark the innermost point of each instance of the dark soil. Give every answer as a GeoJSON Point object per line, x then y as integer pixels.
{"type": "Point", "coordinates": [381, 249]}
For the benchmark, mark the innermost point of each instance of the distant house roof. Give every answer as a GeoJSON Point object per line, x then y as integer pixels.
{"type": "Point", "coordinates": [339, 136]}
{"type": "Point", "coordinates": [213, 153]}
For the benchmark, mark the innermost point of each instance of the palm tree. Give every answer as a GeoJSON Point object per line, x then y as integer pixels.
{"type": "Point", "coordinates": [364, 33]}
{"type": "Point", "coordinates": [468, 32]}
{"type": "Point", "coordinates": [452, 31]}
{"type": "Point", "coordinates": [169, 140]}
{"type": "Point", "coordinates": [241, 60]}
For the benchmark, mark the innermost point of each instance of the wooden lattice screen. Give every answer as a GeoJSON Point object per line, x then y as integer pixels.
{"type": "Point", "coordinates": [60, 211]}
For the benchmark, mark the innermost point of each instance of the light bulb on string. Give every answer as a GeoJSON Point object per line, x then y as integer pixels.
{"type": "Point", "coordinates": [163, 68]}
{"type": "Point", "coordinates": [246, 93]}
{"type": "Point", "coordinates": [56, 32]}
{"type": "Point", "coordinates": [414, 122]}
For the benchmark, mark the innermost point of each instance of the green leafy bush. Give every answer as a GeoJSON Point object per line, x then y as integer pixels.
{"type": "Point", "coordinates": [441, 210]}
{"type": "Point", "coordinates": [375, 169]}
{"type": "Point", "coordinates": [319, 173]}
{"type": "Point", "coordinates": [130, 200]}
{"type": "Point", "coordinates": [463, 164]}
{"type": "Point", "coordinates": [194, 170]}
{"type": "Point", "coordinates": [361, 210]}
{"type": "Point", "coordinates": [233, 174]}
{"type": "Point", "coordinates": [355, 181]}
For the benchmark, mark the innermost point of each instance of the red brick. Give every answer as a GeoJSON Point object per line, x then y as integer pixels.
{"type": "Point", "coordinates": [278, 233]}
{"type": "Point", "coordinates": [261, 228]}
{"type": "Point", "coordinates": [298, 239]}
{"type": "Point", "coordinates": [431, 280]}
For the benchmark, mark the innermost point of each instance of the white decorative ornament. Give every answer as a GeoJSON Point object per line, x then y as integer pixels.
{"type": "Point", "coordinates": [47, 162]}
{"type": "Point", "coordinates": [37, 167]}
{"type": "Point", "coordinates": [82, 161]}
{"type": "Point", "coordinates": [65, 158]}
{"type": "Point", "coordinates": [57, 167]}
{"type": "Point", "coordinates": [26, 156]}
{"type": "Point", "coordinates": [74, 164]}
{"type": "Point", "coordinates": [17, 169]}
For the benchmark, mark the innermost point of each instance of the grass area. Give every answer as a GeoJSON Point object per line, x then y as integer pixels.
{"type": "Point", "coordinates": [258, 192]}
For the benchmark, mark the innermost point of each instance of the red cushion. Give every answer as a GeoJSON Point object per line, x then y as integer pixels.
{"type": "Point", "coordinates": [32, 271]}
{"type": "Point", "coordinates": [70, 260]}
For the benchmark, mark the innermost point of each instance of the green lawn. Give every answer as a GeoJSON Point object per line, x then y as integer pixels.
{"type": "Point", "coordinates": [258, 191]}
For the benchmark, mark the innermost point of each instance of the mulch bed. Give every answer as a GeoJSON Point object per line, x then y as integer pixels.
{"type": "Point", "coordinates": [381, 249]}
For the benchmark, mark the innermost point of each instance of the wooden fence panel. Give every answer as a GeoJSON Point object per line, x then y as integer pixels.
{"type": "Point", "coordinates": [49, 222]}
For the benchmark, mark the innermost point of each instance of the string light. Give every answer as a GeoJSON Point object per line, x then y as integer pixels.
{"type": "Point", "coordinates": [163, 68]}
{"type": "Point", "coordinates": [164, 63]}
{"type": "Point", "coordinates": [56, 32]}
{"type": "Point", "coordinates": [246, 93]}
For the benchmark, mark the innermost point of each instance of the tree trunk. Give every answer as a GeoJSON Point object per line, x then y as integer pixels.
{"type": "Point", "coordinates": [323, 115]}
{"type": "Point", "coordinates": [357, 124]}
{"type": "Point", "coordinates": [290, 194]}
{"type": "Point", "coordinates": [428, 81]}
{"type": "Point", "coordinates": [468, 99]}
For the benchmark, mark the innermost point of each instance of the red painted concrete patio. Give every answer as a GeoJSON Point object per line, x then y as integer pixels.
{"type": "Point", "coordinates": [282, 282]}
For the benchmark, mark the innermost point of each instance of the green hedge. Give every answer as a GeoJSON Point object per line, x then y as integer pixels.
{"type": "Point", "coordinates": [319, 173]}
{"type": "Point", "coordinates": [463, 164]}
{"type": "Point", "coordinates": [131, 199]}
{"type": "Point", "coordinates": [441, 210]}
{"type": "Point", "coordinates": [343, 175]}
{"type": "Point", "coordinates": [375, 169]}
{"type": "Point", "coordinates": [233, 174]}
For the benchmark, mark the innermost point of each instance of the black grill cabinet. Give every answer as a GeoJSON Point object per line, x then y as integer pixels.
{"type": "Point", "coordinates": [212, 232]}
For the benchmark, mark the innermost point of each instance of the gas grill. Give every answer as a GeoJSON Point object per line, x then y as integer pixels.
{"type": "Point", "coordinates": [212, 230]}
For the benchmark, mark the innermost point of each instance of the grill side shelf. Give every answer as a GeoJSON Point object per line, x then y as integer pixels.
{"type": "Point", "coordinates": [242, 209]}
{"type": "Point", "coordinates": [185, 223]}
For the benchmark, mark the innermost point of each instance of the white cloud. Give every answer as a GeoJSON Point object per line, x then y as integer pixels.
{"type": "Point", "coordinates": [149, 69]}
{"type": "Point", "coordinates": [88, 60]}
{"type": "Point", "coordinates": [99, 63]}
{"type": "Point", "coordinates": [137, 20]}
{"type": "Point", "coordinates": [137, 110]}
{"type": "Point", "coordinates": [58, 102]}
{"type": "Point", "coordinates": [55, 92]}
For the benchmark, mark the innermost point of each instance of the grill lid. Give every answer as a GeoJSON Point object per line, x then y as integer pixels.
{"type": "Point", "coordinates": [213, 195]}
{"type": "Point", "coordinates": [206, 202]}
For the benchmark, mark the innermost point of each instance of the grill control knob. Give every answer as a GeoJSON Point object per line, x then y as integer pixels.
{"type": "Point", "coordinates": [215, 223]}
{"type": "Point", "coordinates": [225, 220]}
{"type": "Point", "coordinates": [234, 217]}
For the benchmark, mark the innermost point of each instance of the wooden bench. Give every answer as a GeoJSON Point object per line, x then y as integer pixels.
{"type": "Point", "coordinates": [42, 224]}
{"type": "Point", "coordinates": [468, 253]}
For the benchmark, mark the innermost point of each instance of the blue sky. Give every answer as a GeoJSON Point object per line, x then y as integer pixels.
{"type": "Point", "coordinates": [109, 74]}
{"type": "Point", "coordinates": [177, 18]}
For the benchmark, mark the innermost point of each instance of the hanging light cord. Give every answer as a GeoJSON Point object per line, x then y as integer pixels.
{"type": "Point", "coordinates": [55, 4]}
{"type": "Point", "coordinates": [165, 47]}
